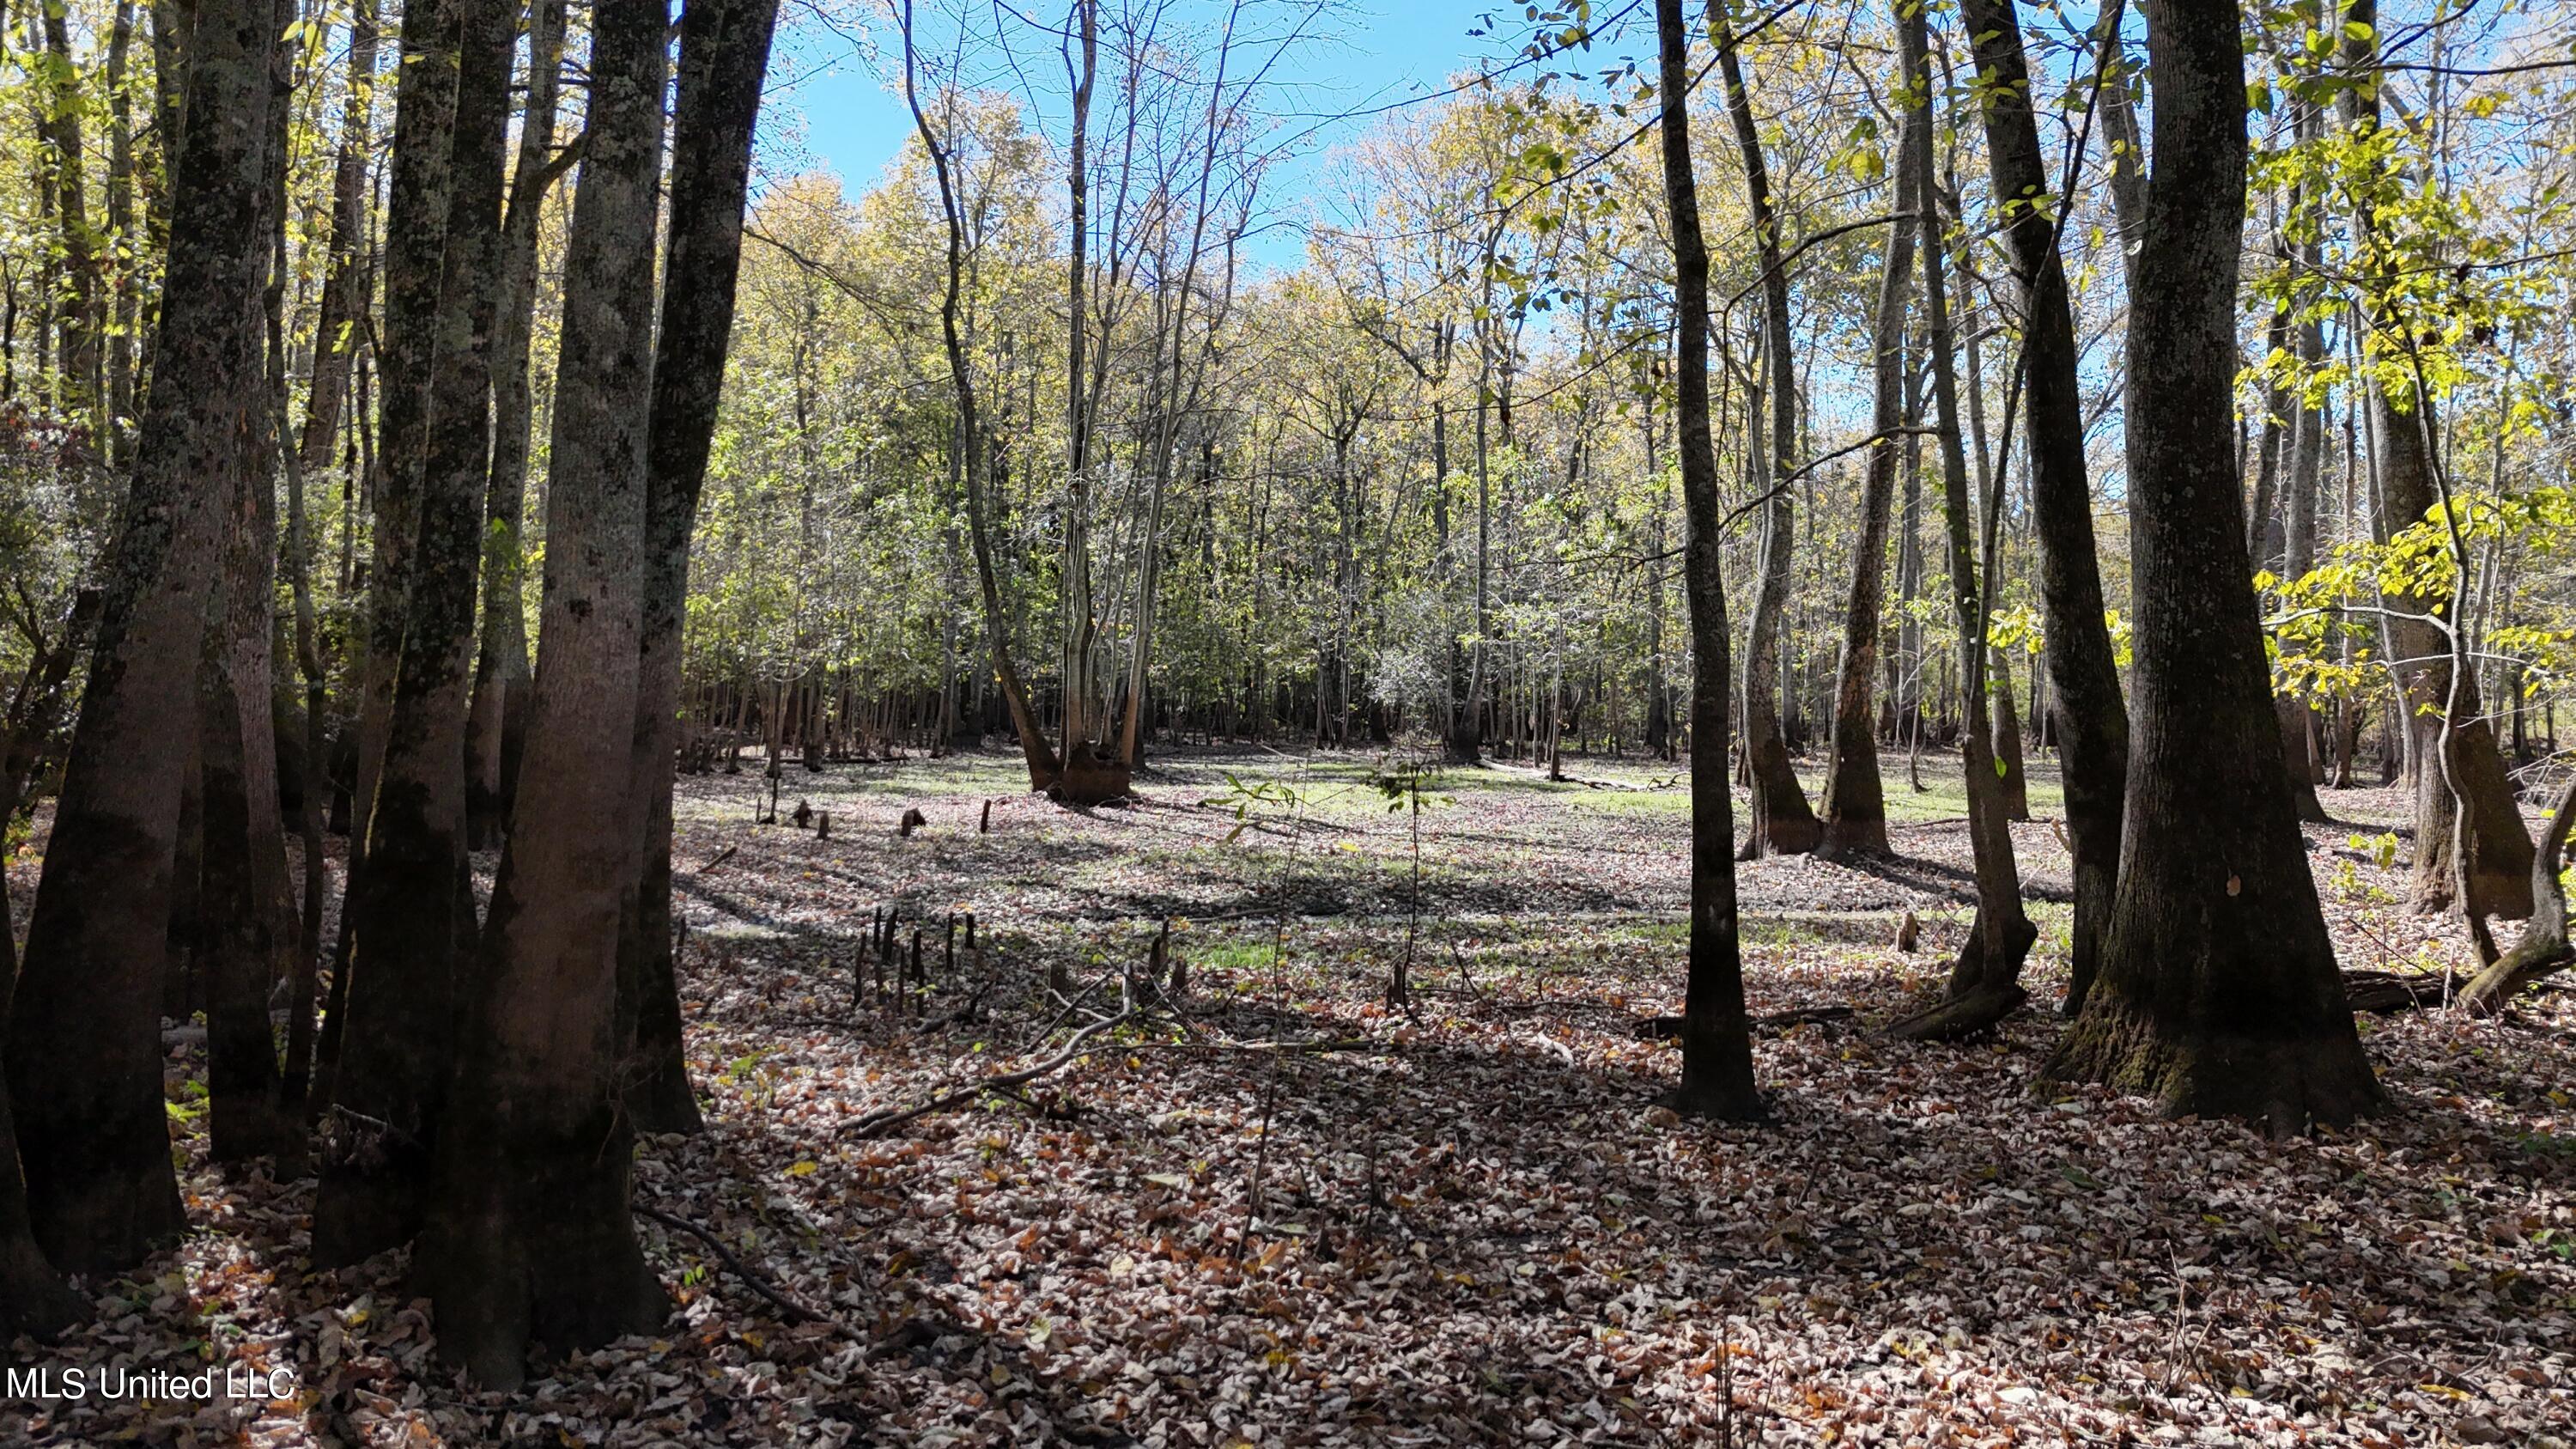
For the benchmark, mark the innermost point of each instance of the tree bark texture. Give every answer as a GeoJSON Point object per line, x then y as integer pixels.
{"type": "Point", "coordinates": [412, 903]}
{"type": "Point", "coordinates": [724, 54]}
{"type": "Point", "coordinates": [496, 726]}
{"type": "Point", "coordinates": [2218, 991]}
{"type": "Point", "coordinates": [528, 1236]}
{"type": "Point", "coordinates": [84, 1041]}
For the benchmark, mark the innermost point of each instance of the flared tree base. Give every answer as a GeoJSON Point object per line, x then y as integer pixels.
{"type": "Point", "coordinates": [2286, 1085]}
{"type": "Point", "coordinates": [114, 1209]}
{"type": "Point", "coordinates": [663, 1102]}
{"type": "Point", "coordinates": [1089, 778]}
{"type": "Point", "coordinates": [532, 1246]}
{"type": "Point", "coordinates": [362, 1210]}
{"type": "Point", "coordinates": [1715, 1103]}
{"type": "Point", "coordinates": [33, 1298]}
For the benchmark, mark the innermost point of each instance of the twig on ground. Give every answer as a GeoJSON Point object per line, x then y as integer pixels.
{"type": "Point", "coordinates": [796, 1312]}
{"type": "Point", "coordinates": [877, 1123]}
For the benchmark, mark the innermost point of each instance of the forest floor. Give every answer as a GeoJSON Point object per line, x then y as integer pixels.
{"type": "Point", "coordinates": [1272, 1210]}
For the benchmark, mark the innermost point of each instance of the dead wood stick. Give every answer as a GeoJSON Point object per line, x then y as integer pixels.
{"type": "Point", "coordinates": [721, 857]}
{"type": "Point", "coordinates": [796, 1312]}
{"type": "Point", "coordinates": [877, 1123]}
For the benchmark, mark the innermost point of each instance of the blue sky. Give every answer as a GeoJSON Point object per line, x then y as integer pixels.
{"type": "Point", "coordinates": [830, 105]}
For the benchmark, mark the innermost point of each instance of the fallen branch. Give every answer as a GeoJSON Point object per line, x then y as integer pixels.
{"type": "Point", "coordinates": [795, 1312]}
{"type": "Point", "coordinates": [878, 1123]}
{"type": "Point", "coordinates": [1666, 1028]}
{"type": "Point", "coordinates": [2385, 992]}
{"type": "Point", "coordinates": [1316, 1044]}
{"type": "Point", "coordinates": [721, 857]}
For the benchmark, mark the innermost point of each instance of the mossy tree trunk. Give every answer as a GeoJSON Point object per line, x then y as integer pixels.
{"type": "Point", "coordinates": [84, 1043]}
{"type": "Point", "coordinates": [528, 1237]}
{"type": "Point", "coordinates": [412, 905]}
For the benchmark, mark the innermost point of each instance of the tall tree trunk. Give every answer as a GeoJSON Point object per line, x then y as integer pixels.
{"type": "Point", "coordinates": [2218, 990]}
{"type": "Point", "coordinates": [415, 250]}
{"type": "Point", "coordinates": [33, 1298]}
{"type": "Point", "coordinates": [1079, 625]}
{"type": "Point", "coordinates": [295, 1084]}
{"type": "Point", "coordinates": [84, 1043]}
{"type": "Point", "coordinates": [528, 1236]}
{"type": "Point", "coordinates": [412, 904]}
{"type": "Point", "coordinates": [1985, 983]}
{"type": "Point", "coordinates": [2438, 706]}
{"type": "Point", "coordinates": [124, 243]}
{"type": "Point", "coordinates": [244, 896]}
{"type": "Point", "coordinates": [496, 725]}
{"type": "Point", "coordinates": [724, 53]}
{"type": "Point", "coordinates": [1044, 768]}
{"type": "Point", "coordinates": [1781, 823]}
{"type": "Point", "coordinates": [344, 278]}
{"type": "Point", "coordinates": [1717, 1043]}
{"type": "Point", "coordinates": [2306, 469]}
{"type": "Point", "coordinates": [1855, 805]}
{"type": "Point", "coordinates": [2091, 723]}
{"type": "Point", "coordinates": [244, 856]}
{"type": "Point", "coordinates": [81, 319]}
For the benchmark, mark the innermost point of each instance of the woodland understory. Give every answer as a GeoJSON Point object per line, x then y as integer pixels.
{"type": "Point", "coordinates": [1666, 735]}
{"type": "Point", "coordinates": [1275, 1210]}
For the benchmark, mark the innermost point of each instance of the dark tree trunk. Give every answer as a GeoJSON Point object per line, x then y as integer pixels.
{"type": "Point", "coordinates": [1717, 1041]}
{"type": "Point", "coordinates": [2090, 718]}
{"type": "Point", "coordinates": [344, 280]}
{"type": "Point", "coordinates": [1855, 803]}
{"type": "Point", "coordinates": [84, 1043]}
{"type": "Point", "coordinates": [243, 861]}
{"type": "Point", "coordinates": [496, 728]}
{"type": "Point", "coordinates": [33, 1298]}
{"type": "Point", "coordinates": [1781, 822]}
{"type": "Point", "coordinates": [415, 249]}
{"type": "Point", "coordinates": [296, 1080]}
{"type": "Point", "coordinates": [2010, 778]}
{"type": "Point", "coordinates": [412, 904]}
{"type": "Point", "coordinates": [1985, 983]}
{"type": "Point", "coordinates": [528, 1237]}
{"type": "Point", "coordinates": [724, 53]}
{"type": "Point", "coordinates": [2218, 990]}
{"type": "Point", "coordinates": [247, 906]}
